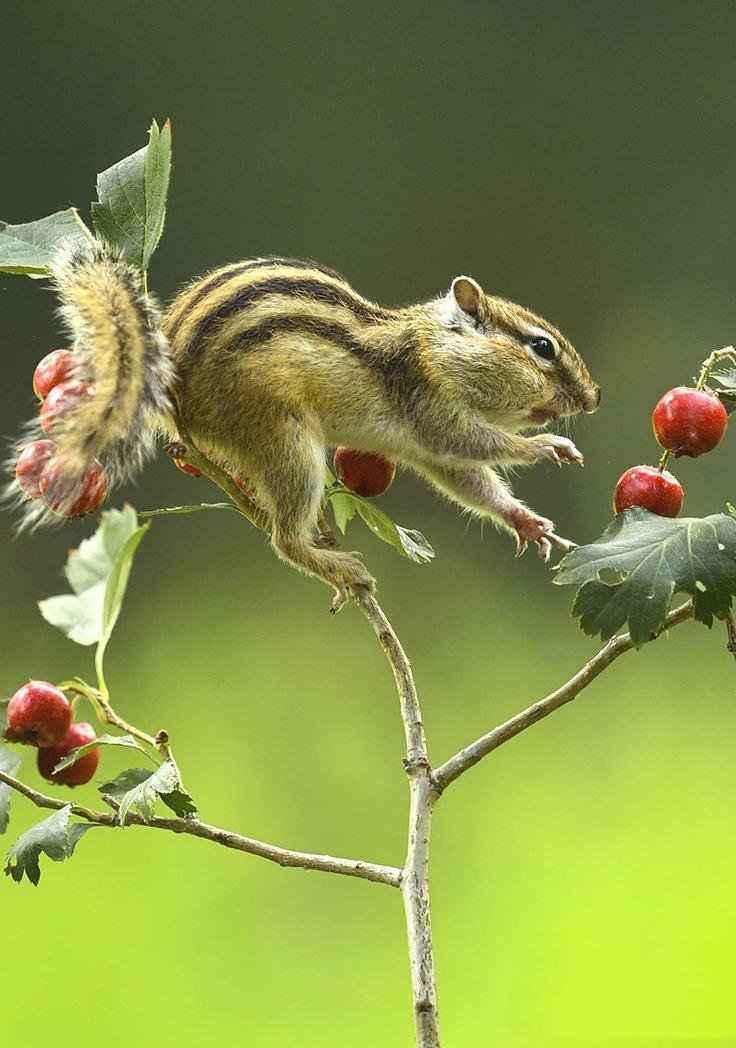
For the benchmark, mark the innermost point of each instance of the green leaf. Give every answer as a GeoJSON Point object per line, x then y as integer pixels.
{"type": "Point", "coordinates": [3, 715]}
{"type": "Point", "coordinates": [28, 249]}
{"type": "Point", "coordinates": [409, 543]}
{"type": "Point", "coordinates": [140, 788]}
{"type": "Point", "coordinates": [180, 802]}
{"type": "Point", "coordinates": [727, 398]}
{"type": "Point", "coordinates": [344, 508]}
{"type": "Point", "coordinates": [103, 740]}
{"type": "Point", "coordinates": [9, 763]}
{"type": "Point", "coordinates": [54, 837]}
{"type": "Point", "coordinates": [723, 375]}
{"type": "Point", "coordinates": [632, 573]}
{"type": "Point", "coordinates": [97, 572]}
{"type": "Point", "coordinates": [174, 510]}
{"type": "Point", "coordinates": [131, 208]}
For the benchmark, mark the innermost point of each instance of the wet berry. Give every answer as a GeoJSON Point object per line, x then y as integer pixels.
{"type": "Point", "coordinates": [645, 486]}
{"type": "Point", "coordinates": [68, 495]}
{"type": "Point", "coordinates": [38, 714]}
{"type": "Point", "coordinates": [61, 400]}
{"type": "Point", "coordinates": [82, 770]}
{"type": "Point", "coordinates": [31, 463]}
{"type": "Point", "coordinates": [364, 472]}
{"type": "Point", "coordinates": [689, 421]}
{"type": "Point", "coordinates": [55, 368]}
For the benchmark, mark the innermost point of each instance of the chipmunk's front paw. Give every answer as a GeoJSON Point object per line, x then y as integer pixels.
{"type": "Point", "coordinates": [530, 527]}
{"type": "Point", "coordinates": [559, 449]}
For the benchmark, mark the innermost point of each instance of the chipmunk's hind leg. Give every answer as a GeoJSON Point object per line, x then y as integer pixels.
{"type": "Point", "coordinates": [290, 484]}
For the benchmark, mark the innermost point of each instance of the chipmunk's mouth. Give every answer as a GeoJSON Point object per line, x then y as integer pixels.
{"type": "Point", "coordinates": [539, 416]}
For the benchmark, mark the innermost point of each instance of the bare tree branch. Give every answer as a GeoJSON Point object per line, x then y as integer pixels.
{"type": "Point", "coordinates": [476, 751]}
{"type": "Point", "coordinates": [367, 871]}
{"type": "Point", "coordinates": [423, 796]}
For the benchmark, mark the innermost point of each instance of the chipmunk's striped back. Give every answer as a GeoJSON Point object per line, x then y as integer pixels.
{"type": "Point", "coordinates": [248, 303]}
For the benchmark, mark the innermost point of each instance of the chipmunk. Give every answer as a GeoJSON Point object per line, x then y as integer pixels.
{"type": "Point", "coordinates": [267, 362]}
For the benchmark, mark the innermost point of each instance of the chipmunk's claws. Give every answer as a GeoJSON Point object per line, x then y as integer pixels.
{"type": "Point", "coordinates": [531, 528]}
{"type": "Point", "coordinates": [339, 600]}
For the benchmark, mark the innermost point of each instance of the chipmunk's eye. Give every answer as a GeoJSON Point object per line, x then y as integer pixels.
{"type": "Point", "coordinates": [544, 348]}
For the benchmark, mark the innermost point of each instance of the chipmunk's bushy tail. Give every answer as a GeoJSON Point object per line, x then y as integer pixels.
{"type": "Point", "coordinates": [114, 327]}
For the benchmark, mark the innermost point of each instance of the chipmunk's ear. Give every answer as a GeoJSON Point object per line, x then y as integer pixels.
{"type": "Point", "coordinates": [467, 294]}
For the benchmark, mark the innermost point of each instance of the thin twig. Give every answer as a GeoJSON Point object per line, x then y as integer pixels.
{"type": "Point", "coordinates": [411, 716]}
{"type": "Point", "coordinates": [367, 871]}
{"type": "Point", "coordinates": [476, 751]}
{"type": "Point", "coordinates": [109, 715]}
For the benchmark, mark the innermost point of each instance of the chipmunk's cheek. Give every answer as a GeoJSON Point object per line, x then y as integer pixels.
{"type": "Point", "coordinates": [540, 416]}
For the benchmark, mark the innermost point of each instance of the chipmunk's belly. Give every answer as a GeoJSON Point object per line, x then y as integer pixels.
{"type": "Point", "coordinates": [366, 434]}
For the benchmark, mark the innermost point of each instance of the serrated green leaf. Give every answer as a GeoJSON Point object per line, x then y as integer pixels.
{"type": "Point", "coordinates": [131, 206]}
{"type": "Point", "coordinates": [101, 560]}
{"type": "Point", "coordinates": [54, 837]}
{"type": "Point", "coordinates": [344, 508]}
{"type": "Point", "coordinates": [724, 377]}
{"type": "Point", "coordinates": [10, 762]}
{"type": "Point", "coordinates": [409, 543]}
{"type": "Point", "coordinates": [632, 573]}
{"type": "Point", "coordinates": [126, 781]}
{"type": "Point", "coordinates": [28, 249]}
{"type": "Point", "coordinates": [727, 397]}
{"type": "Point", "coordinates": [180, 802]}
{"type": "Point", "coordinates": [140, 788]}
{"type": "Point", "coordinates": [103, 740]}
{"type": "Point", "coordinates": [195, 508]}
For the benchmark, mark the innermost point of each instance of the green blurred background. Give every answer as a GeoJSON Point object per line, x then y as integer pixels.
{"type": "Point", "coordinates": [578, 157]}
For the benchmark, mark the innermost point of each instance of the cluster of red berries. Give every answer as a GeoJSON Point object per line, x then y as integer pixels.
{"type": "Point", "coordinates": [686, 421]}
{"type": "Point", "coordinates": [39, 472]}
{"type": "Point", "coordinates": [40, 715]}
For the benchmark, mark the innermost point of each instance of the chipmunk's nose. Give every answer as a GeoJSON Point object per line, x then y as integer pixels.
{"type": "Point", "coordinates": [591, 399]}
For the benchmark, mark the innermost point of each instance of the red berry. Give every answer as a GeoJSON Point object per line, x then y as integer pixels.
{"type": "Point", "coordinates": [68, 495]}
{"type": "Point", "coordinates": [364, 472]}
{"type": "Point", "coordinates": [186, 468]}
{"type": "Point", "coordinates": [82, 770]}
{"type": "Point", "coordinates": [31, 463]}
{"type": "Point", "coordinates": [645, 486]}
{"type": "Point", "coordinates": [55, 368]}
{"type": "Point", "coordinates": [689, 421]}
{"type": "Point", "coordinates": [38, 714]}
{"type": "Point", "coordinates": [61, 400]}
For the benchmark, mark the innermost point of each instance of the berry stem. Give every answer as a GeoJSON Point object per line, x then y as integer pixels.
{"type": "Point", "coordinates": [710, 362]}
